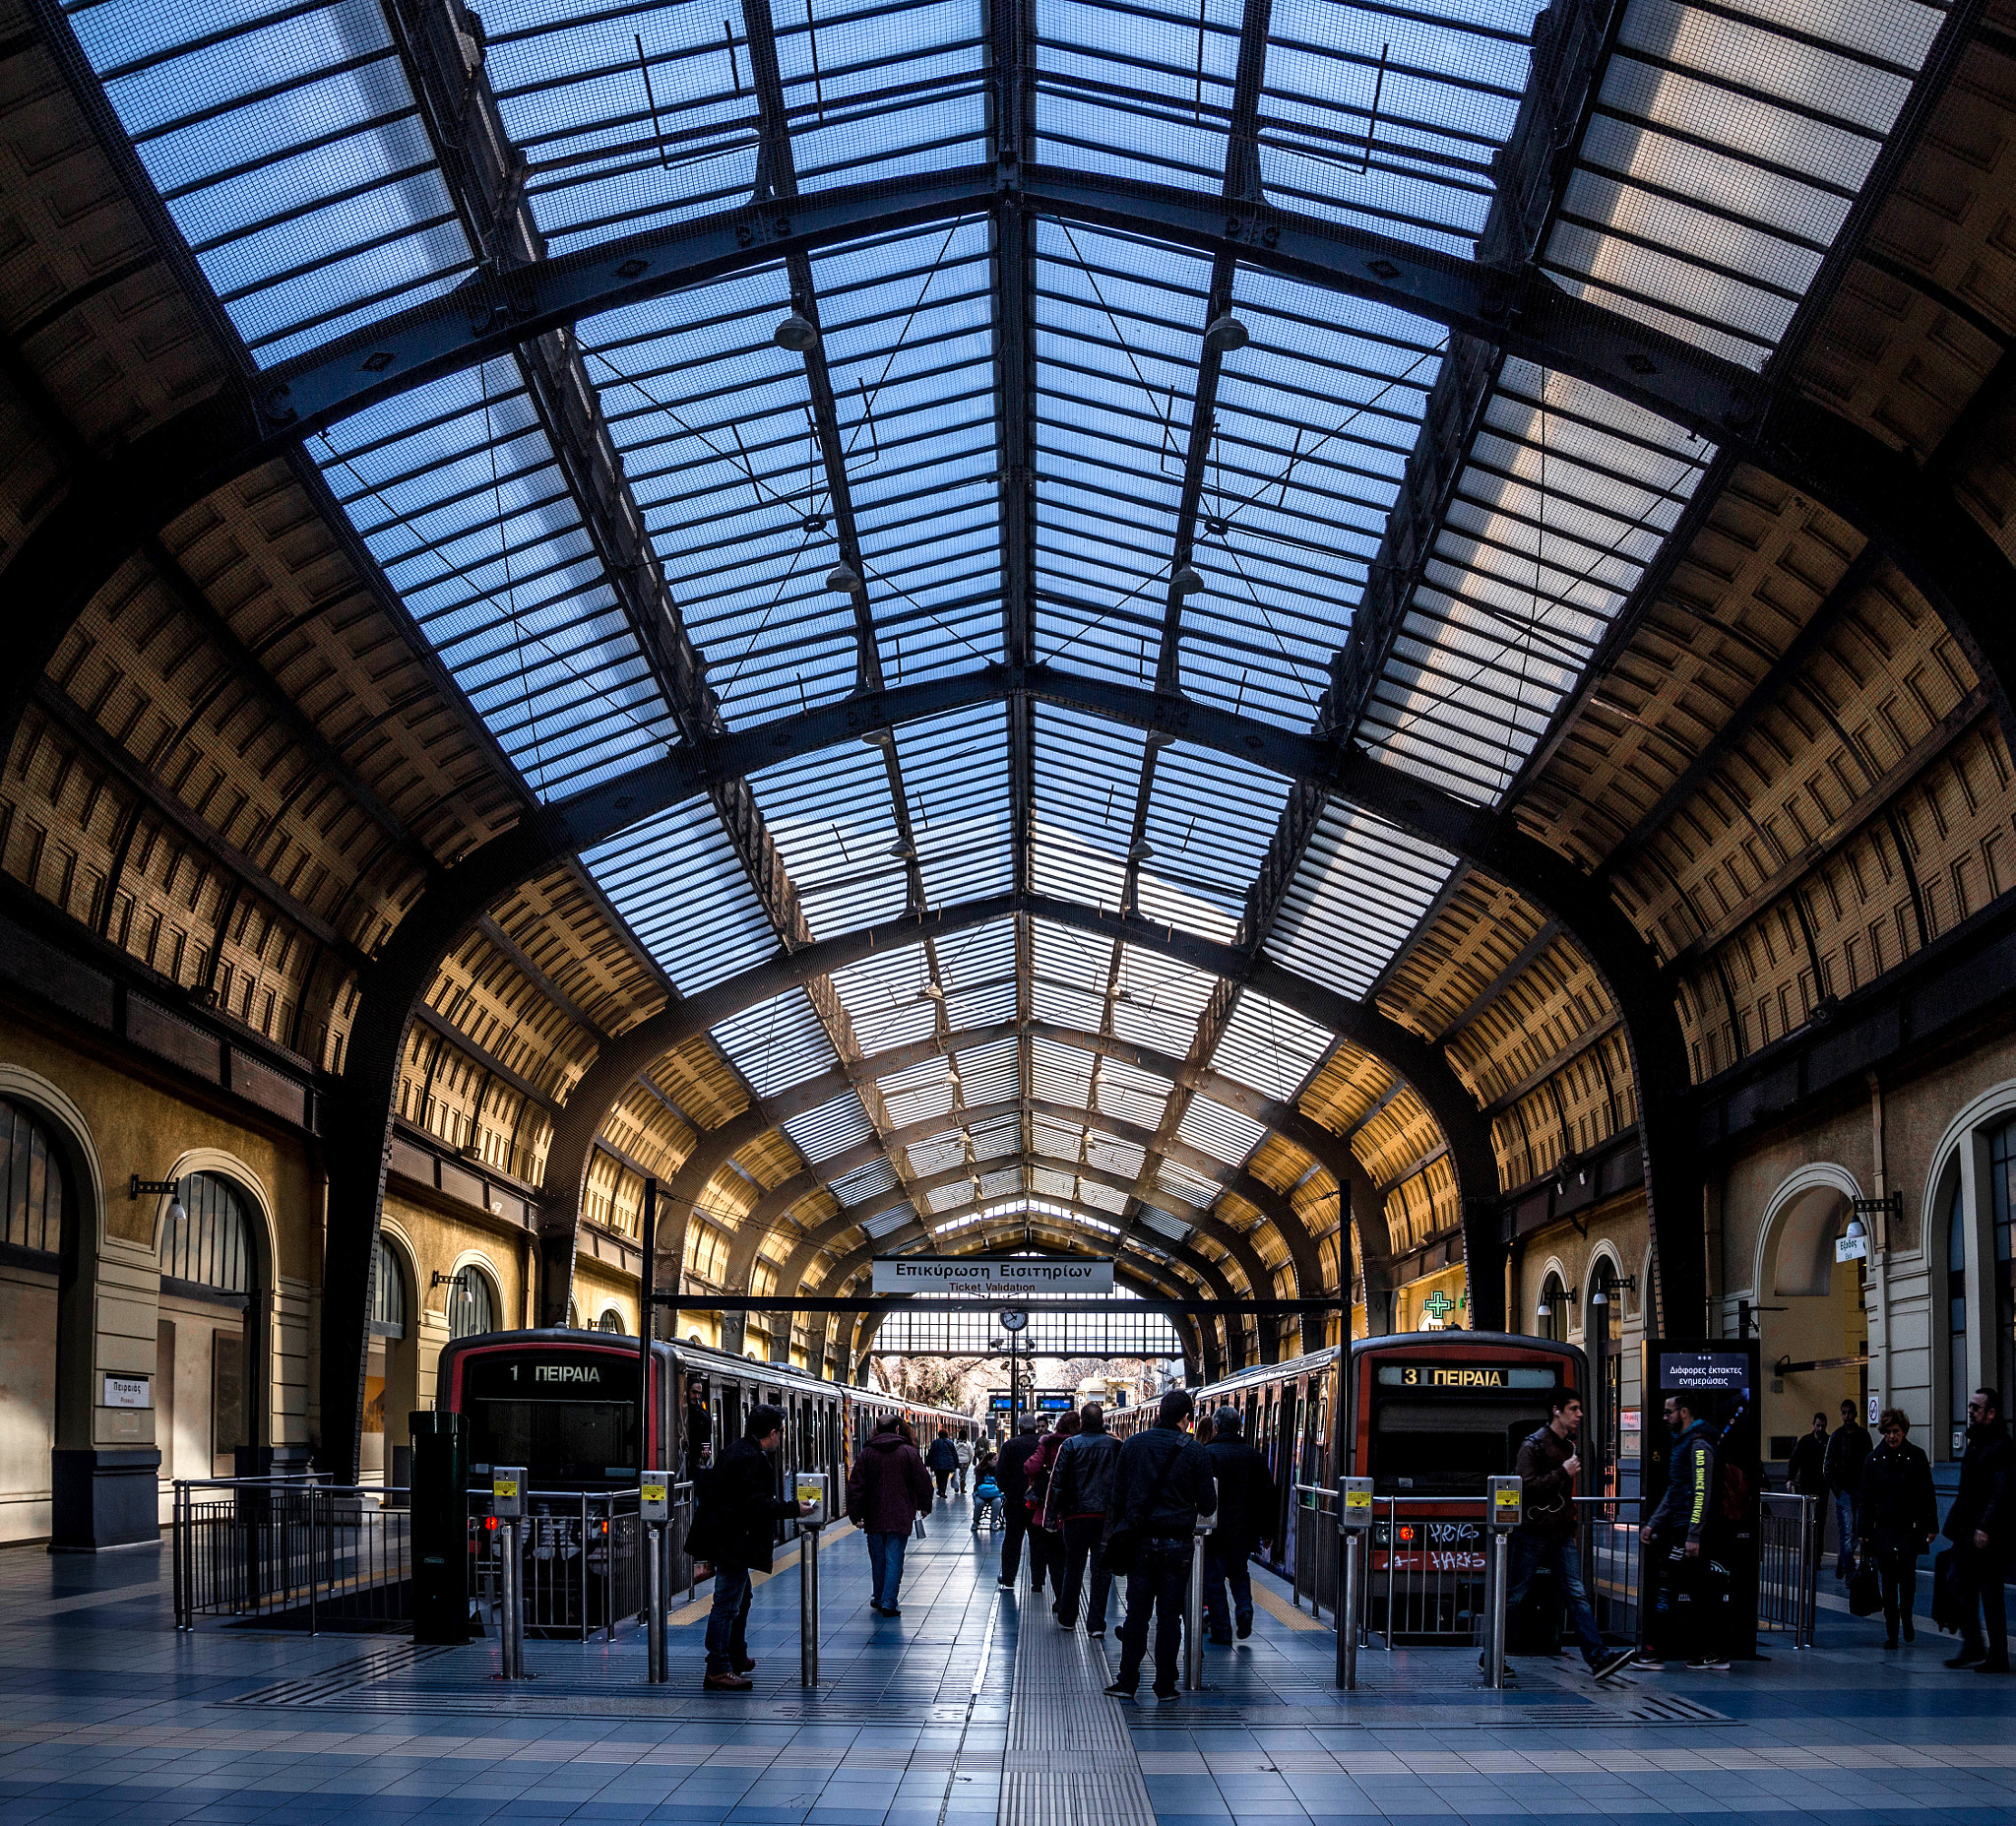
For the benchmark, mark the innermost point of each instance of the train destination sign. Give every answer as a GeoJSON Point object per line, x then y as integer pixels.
{"type": "Point", "coordinates": [1466, 1378]}
{"type": "Point", "coordinates": [988, 1275]}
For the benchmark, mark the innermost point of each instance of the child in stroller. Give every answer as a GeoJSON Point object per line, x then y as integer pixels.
{"type": "Point", "coordinates": [986, 1504]}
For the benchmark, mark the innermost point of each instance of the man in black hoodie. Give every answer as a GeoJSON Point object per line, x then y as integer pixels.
{"type": "Point", "coordinates": [1011, 1473]}
{"type": "Point", "coordinates": [1249, 1513]}
{"type": "Point", "coordinates": [1162, 1483]}
{"type": "Point", "coordinates": [1081, 1494]}
{"type": "Point", "coordinates": [736, 1527]}
{"type": "Point", "coordinates": [1980, 1526]}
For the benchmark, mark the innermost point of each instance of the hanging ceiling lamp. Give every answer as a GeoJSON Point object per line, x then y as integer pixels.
{"type": "Point", "coordinates": [1187, 581]}
{"type": "Point", "coordinates": [1140, 852]}
{"type": "Point", "coordinates": [796, 333]}
{"type": "Point", "coordinates": [843, 578]}
{"type": "Point", "coordinates": [1226, 334]}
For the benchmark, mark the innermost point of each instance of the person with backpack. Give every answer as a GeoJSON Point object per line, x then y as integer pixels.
{"type": "Point", "coordinates": [942, 1460]}
{"type": "Point", "coordinates": [1548, 1466]}
{"type": "Point", "coordinates": [1162, 1485]}
{"type": "Point", "coordinates": [1011, 1472]}
{"type": "Point", "coordinates": [887, 1490]}
{"type": "Point", "coordinates": [1683, 1541]}
{"type": "Point", "coordinates": [1081, 1496]}
{"type": "Point", "coordinates": [734, 1527]}
{"type": "Point", "coordinates": [1045, 1538]}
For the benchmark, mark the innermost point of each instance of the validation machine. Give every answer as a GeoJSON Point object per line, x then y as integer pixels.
{"type": "Point", "coordinates": [507, 1510]}
{"type": "Point", "coordinates": [1503, 1501]}
{"type": "Point", "coordinates": [810, 1486]}
{"type": "Point", "coordinates": [1354, 1523]}
{"type": "Point", "coordinates": [655, 1510]}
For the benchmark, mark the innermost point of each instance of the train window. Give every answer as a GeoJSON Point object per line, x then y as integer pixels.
{"type": "Point", "coordinates": [564, 1419]}
{"type": "Point", "coordinates": [1447, 1448]}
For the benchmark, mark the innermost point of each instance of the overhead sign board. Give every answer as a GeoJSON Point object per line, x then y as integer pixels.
{"type": "Point", "coordinates": [1850, 1248]}
{"type": "Point", "coordinates": [992, 1275]}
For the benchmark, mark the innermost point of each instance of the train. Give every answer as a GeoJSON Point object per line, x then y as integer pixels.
{"type": "Point", "coordinates": [1429, 1416]}
{"type": "Point", "coordinates": [563, 1404]}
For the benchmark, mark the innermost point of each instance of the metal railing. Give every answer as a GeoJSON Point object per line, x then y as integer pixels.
{"type": "Point", "coordinates": [581, 1562]}
{"type": "Point", "coordinates": [1613, 1561]}
{"type": "Point", "coordinates": [1312, 1552]}
{"type": "Point", "coordinates": [292, 1550]}
{"type": "Point", "coordinates": [1788, 1555]}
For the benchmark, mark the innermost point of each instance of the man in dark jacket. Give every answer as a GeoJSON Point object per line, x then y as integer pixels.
{"type": "Point", "coordinates": [943, 1460]}
{"type": "Point", "coordinates": [1081, 1497]}
{"type": "Point", "coordinates": [1980, 1526]}
{"type": "Point", "coordinates": [1249, 1513]}
{"type": "Point", "coordinates": [1805, 1472]}
{"type": "Point", "coordinates": [886, 1491]}
{"type": "Point", "coordinates": [1162, 1483]}
{"type": "Point", "coordinates": [736, 1527]}
{"type": "Point", "coordinates": [1548, 1466]}
{"type": "Point", "coordinates": [1011, 1473]}
{"type": "Point", "coordinates": [1843, 1466]}
{"type": "Point", "coordinates": [1683, 1541]}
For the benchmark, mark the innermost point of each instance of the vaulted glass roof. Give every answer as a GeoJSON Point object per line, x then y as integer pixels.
{"type": "Point", "coordinates": [1030, 427]}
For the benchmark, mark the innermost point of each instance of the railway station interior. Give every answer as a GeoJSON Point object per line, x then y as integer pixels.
{"type": "Point", "coordinates": [1353, 661]}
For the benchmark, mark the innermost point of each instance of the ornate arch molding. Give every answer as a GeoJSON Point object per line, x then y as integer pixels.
{"type": "Point", "coordinates": [55, 1106]}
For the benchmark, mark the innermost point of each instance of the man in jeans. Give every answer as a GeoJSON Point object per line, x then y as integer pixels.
{"type": "Point", "coordinates": [1081, 1496]}
{"type": "Point", "coordinates": [1548, 1466]}
{"type": "Point", "coordinates": [736, 1527]}
{"type": "Point", "coordinates": [1162, 1482]}
{"type": "Point", "coordinates": [887, 1490]}
{"type": "Point", "coordinates": [1843, 1466]}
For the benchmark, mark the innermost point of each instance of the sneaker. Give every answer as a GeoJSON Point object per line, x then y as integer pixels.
{"type": "Point", "coordinates": [1647, 1664]}
{"type": "Point", "coordinates": [727, 1683]}
{"type": "Point", "coordinates": [1709, 1664]}
{"type": "Point", "coordinates": [1007, 1584]}
{"type": "Point", "coordinates": [1245, 1628]}
{"type": "Point", "coordinates": [891, 1611]}
{"type": "Point", "coordinates": [1995, 1663]}
{"type": "Point", "coordinates": [1165, 1699]}
{"type": "Point", "coordinates": [1097, 1635]}
{"type": "Point", "coordinates": [1970, 1653]}
{"type": "Point", "coordinates": [1219, 1642]}
{"type": "Point", "coordinates": [1120, 1692]}
{"type": "Point", "coordinates": [1604, 1667]}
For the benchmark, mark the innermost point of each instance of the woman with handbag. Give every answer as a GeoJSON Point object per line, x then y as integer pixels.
{"type": "Point", "coordinates": [1899, 1517]}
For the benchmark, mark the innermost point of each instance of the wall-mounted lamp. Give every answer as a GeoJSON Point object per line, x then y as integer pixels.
{"type": "Point", "coordinates": [1600, 1297]}
{"type": "Point", "coordinates": [138, 1187]}
{"type": "Point", "coordinates": [1545, 1308]}
{"type": "Point", "coordinates": [460, 1278]}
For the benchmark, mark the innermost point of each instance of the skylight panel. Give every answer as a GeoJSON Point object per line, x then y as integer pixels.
{"type": "Point", "coordinates": [1359, 891]}
{"type": "Point", "coordinates": [883, 1222]}
{"type": "Point", "coordinates": [995, 1138]}
{"type": "Point", "coordinates": [1056, 1137]}
{"type": "Point", "coordinates": [919, 1095]}
{"type": "Point", "coordinates": [1104, 1197]}
{"type": "Point", "coordinates": [1160, 1001]}
{"type": "Point", "coordinates": [991, 1074]}
{"type": "Point", "coordinates": [1269, 1047]}
{"type": "Point", "coordinates": [677, 882]}
{"type": "Point", "coordinates": [1051, 1183]}
{"type": "Point", "coordinates": [289, 150]}
{"type": "Point", "coordinates": [865, 1184]}
{"type": "Point", "coordinates": [1112, 1155]}
{"type": "Point", "coordinates": [1001, 1183]}
{"type": "Point", "coordinates": [1063, 1074]}
{"type": "Point", "coordinates": [1181, 1182]}
{"type": "Point", "coordinates": [955, 782]}
{"type": "Point", "coordinates": [830, 816]}
{"type": "Point", "coordinates": [1130, 1095]}
{"type": "Point", "coordinates": [1224, 1134]}
{"type": "Point", "coordinates": [1171, 1226]}
{"type": "Point", "coordinates": [830, 1129]}
{"type": "Point", "coordinates": [777, 1042]}
{"type": "Point", "coordinates": [1070, 976]}
{"type": "Point", "coordinates": [939, 1154]}
{"type": "Point", "coordinates": [884, 998]}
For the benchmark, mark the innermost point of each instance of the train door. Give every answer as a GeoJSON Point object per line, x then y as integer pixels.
{"type": "Point", "coordinates": [1288, 1465]}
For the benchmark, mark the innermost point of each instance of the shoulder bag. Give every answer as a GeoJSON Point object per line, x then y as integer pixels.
{"type": "Point", "coordinates": [1125, 1539]}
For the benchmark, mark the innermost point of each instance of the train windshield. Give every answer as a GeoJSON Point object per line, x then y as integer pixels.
{"type": "Point", "coordinates": [1441, 1429]}
{"type": "Point", "coordinates": [566, 1416]}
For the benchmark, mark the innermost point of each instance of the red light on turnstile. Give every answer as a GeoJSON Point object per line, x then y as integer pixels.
{"type": "Point", "coordinates": [1406, 1532]}
{"type": "Point", "coordinates": [491, 1522]}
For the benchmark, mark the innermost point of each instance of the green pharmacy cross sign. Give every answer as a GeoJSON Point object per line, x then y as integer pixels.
{"type": "Point", "coordinates": [1440, 1305]}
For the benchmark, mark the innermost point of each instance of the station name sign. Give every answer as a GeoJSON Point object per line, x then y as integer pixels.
{"type": "Point", "coordinates": [1461, 1378]}
{"type": "Point", "coordinates": [1020, 1274]}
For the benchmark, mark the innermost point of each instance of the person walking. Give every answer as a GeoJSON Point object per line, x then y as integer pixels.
{"type": "Point", "coordinates": [1011, 1473]}
{"type": "Point", "coordinates": [1548, 1466]}
{"type": "Point", "coordinates": [1979, 1524]}
{"type": "Point", "coordinates": [1850, 1445]}
{"type": "Point", "coordinates": [1045, 1535]}
{"type": "Point", "coordinates": [1081, 1497]}
{"type": "Point", "coordinates": [943, 1460]}
{"type": "Point", "coordinates": [1162, 1483]}
{"type": "Point", "coordinates": [886, 1491]}
{"type": "Point", "coordinates": [961, 1450]}
{"type": "Point", "coordinates": [735, 1528]}
{"type": "Point", "coordinates": [1806, 1471]}
{"type": "Point", "coordinates": [1248, 1514]}
{"type": "Point", "coordinates": [1683, 1539]}
{"type": "Point", "coordinates": [1900, 1518]}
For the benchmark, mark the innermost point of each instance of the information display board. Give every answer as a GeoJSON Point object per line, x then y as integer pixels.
{"type": "Point", "coordinates": [1722, 1375]}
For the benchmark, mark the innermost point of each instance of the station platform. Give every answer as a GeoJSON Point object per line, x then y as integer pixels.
{"type": "Point", "coordinates": [972, 1708]}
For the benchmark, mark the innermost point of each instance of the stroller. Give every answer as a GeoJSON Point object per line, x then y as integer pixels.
{"type": "Point", "coordinates": [986, 1505]}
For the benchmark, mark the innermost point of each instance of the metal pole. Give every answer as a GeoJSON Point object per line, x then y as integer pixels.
{"type": "Point", "coordinates": [511, 1621]}
{"type": "Point", "coordinates": [1348, 1617]}
{"type": "Point", "coordinates": [1194, 1621]}
{"type": "Point", "coordinates": [314, 1563]}
{"type": "Point", "coordinates": [808, 1607]}
{"type": "Point", "coordinates": [1392, 1549]}
{"type": "Point", "coordinates": [1500, 1552]}
{"type": "Point", "coordinates": [654, 1598]}
{"type": "Point", "coordinates": [584, 1564]}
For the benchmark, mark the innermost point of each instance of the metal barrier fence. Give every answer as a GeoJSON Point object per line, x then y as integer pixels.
{"type": "Point", "coordinates": [296, 1552]}
{"type": "Point", "coordinates": [1422, 1576]}
{"type": "Point", "coordinates": [307, 1554]}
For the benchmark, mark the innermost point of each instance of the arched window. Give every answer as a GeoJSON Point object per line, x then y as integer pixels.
{"type": "Point", "coordinates": [573, 1317]}
{"type": "Point", "coordinates": [1552, 1314]}
{"type": "Point", "coordinates": [471, 1308]}
{"type": "Point", "coordinates": [1956, 1301]}
{"type": "Point", "coordinates": [2002, 1202]}
{"type": "Point", "coordinates": [388, 1295]}
{"type": "Point", "coordinates": [610, 1321]}
{"type": "Point", "coordinates": [32, 1185]}
{"type": "Point", "coordinates": [209, 1244]}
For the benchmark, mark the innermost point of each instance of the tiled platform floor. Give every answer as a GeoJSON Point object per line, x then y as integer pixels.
{"type": "Point", "coordinates": [109, 1715]}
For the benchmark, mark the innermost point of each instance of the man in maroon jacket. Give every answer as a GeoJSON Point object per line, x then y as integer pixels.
{"type": "Point", "coordinates": [887, 1490]}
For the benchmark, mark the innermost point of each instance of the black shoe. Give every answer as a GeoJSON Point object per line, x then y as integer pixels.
{"type": "Point", "coordinates": [891, 1611]}
{"type": "Point", "coordinates": [1245, 1628]}
{"type": "Point", "coordinates": [1219, 1642]}
{"type": "Point", "coordinates": [1910, 1634]}
{"type": "Point", "coordinates": [1607, 1665]}
{"type": "Point", "coordinates": [1889, 1642]}
{"type": "Point", "coordinates": [1120, 1692]}
{"type": "Point", "coordinates": [1097, 1635]}
{"type": "Point", "coordinates": [1165, 1699]}
{"type": "Point", "coordinates": [1007, 1584]}
{"type": "Point", "coordinates": [1970, 1653]}
{"type": "Point", "coordinates": [1995, 1663]}
{"type": "Point", "coordinates": [1709, 1664]}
